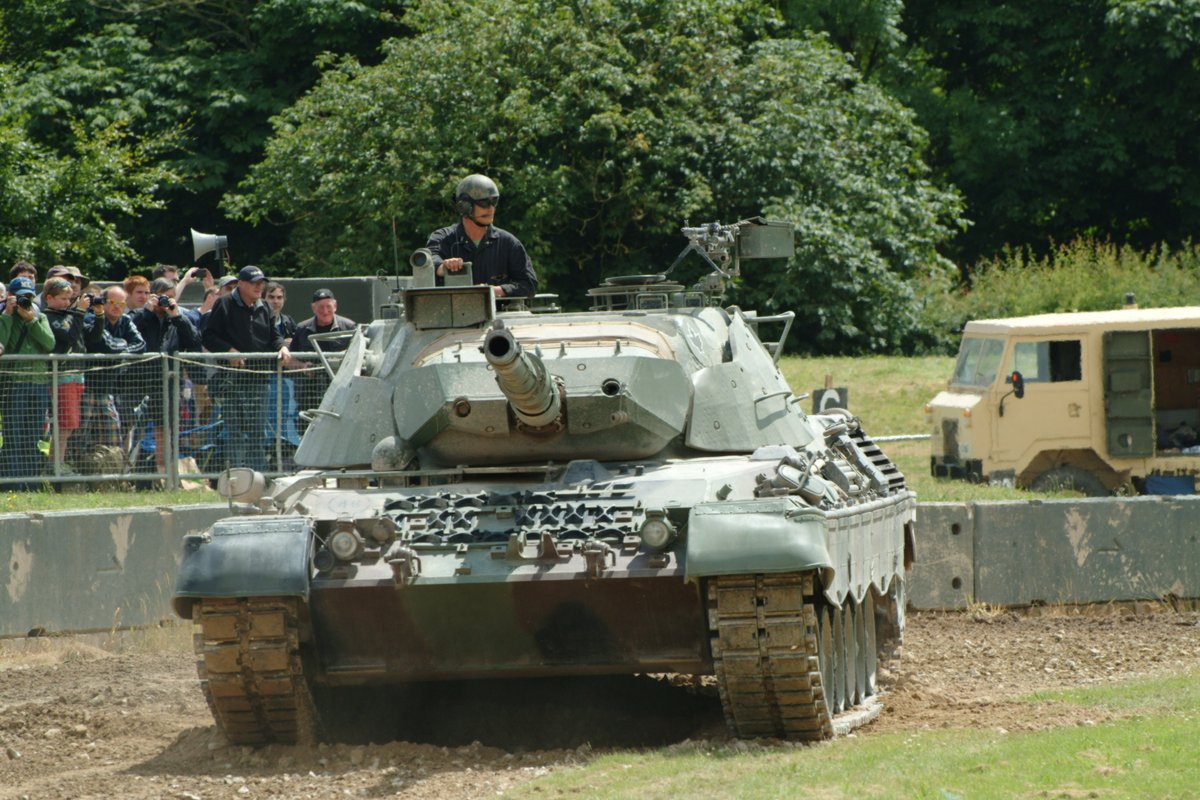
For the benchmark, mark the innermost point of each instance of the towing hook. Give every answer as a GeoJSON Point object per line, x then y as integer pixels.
{"type": "Point", "coordinates": [405, 563]}
{"type": "Point", "coordinates": [597, 554]}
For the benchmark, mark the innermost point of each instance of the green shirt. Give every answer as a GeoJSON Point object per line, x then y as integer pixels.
{"type": "Point", "coordinates": [19, 337]}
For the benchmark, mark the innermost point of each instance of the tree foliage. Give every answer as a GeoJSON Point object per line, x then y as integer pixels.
{"type": "Point", "coordinates": [70, 204]}
{"type": "Point", "coordinates": [1063, 119]}
{"type": "Point", "coordinates": [213, 70]}
{"type": "Point", "coordinates": [607, 125]}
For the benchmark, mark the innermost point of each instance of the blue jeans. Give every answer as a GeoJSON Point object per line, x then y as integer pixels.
{"type": "Point", "coordinates": [24, 408]}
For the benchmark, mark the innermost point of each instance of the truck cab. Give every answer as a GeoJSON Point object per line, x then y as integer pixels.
{"type": "Point", "coordinates": [1095, 401]}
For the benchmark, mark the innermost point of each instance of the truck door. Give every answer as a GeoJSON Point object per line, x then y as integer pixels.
{"type": "Point", "coordinates": [1128, 393]}
{"type": "Point", "coordinates": [1054, 413]}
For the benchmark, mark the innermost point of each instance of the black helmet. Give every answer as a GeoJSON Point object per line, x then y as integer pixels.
{"type": "Point", "coordinates": [472, 188]}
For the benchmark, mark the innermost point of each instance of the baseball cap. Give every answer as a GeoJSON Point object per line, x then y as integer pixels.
{"type": "Point", "coordinates": [228, 279]}
{"type": "Point", "coordinates": [252, 274]}
{"type": "Point", "coordinates": [323, 294]}
{"type": "Point", "coordinates": [21, 286]}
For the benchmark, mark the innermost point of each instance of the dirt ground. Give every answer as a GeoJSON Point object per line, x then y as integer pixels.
{"type": "Point", "coordinates": [79, 721]}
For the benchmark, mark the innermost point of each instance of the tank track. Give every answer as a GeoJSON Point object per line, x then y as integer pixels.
{"type": "Point", "coordinates": [789, 664]}
{"type": "Point", "coordinates": [248, 653]}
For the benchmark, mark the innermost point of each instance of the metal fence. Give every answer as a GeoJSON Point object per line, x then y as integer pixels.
{"type": "Point", "coordinates": [123, 422]}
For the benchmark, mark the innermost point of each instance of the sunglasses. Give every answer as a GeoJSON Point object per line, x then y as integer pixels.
{"type": "Point", "coordinates": [487, 202]}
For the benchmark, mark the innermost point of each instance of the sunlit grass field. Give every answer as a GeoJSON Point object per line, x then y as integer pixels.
{"type": "Point", "coordinates": [1148, 753]}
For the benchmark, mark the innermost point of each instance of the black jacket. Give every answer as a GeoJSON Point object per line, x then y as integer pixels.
{"type": "Point", "coordinates": [166, 334]}
{"type": "Point", "coordinates": [499, 260]}
{"type": "Point", "coordinates": [247, 329]}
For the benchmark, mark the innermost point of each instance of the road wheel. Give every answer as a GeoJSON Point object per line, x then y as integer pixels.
{"type": "Point", "coordinates": [1068, 478]}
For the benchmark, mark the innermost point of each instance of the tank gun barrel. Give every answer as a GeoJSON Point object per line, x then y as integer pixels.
{"type": "Point", "coordinates": [524, 379]}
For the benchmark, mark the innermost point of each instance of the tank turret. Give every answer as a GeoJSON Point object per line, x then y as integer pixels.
{"type": "Point", "coordinates": [492, 491]}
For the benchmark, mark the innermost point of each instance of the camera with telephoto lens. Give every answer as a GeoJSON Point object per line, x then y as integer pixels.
{"type": "Point", "coordinates": [165, 302]}
{"type": "Point", "coordinates": [25, 300]}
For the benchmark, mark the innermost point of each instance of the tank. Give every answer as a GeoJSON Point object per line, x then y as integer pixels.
{"type": "Point", "coordinates": [492, 492]}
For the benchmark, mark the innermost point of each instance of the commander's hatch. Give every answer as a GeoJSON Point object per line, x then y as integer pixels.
{"type": "Point", "coordinates": [439, 307]}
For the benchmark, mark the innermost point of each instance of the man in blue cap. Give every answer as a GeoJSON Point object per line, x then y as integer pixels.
{"type": "Point", "coordinates": [24, 395]}
{"type": "Point", "coordinates": [240, 322]}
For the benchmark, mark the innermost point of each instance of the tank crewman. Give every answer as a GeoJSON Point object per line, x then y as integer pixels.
{"type": "Point", "coordinates": [497, 257]}
{"type": "Point", "coordinates": [325, 319]}
{"type": "Point", "coordinates": [240, 322]}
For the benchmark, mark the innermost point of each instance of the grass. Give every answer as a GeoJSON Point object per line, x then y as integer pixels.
{"type": "Point", "coordinates": [889, 394]}
{"type": "Point", "coordinates": [1147, 754]}
{"type": "Point", "coordinates": [11, 501]}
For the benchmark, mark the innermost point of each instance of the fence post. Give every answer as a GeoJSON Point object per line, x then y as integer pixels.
{"type": "Point", "coordinates": [172, 413]}
{"type": "Point", "coordinates": [55, 433]}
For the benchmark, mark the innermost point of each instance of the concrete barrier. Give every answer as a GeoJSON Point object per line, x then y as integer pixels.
{"type": "Point", "coordinates": [80, 571]}
{"type": "Point", "coordinates": [94, 570]}
{"type": "Point", "coordinates": [1056, 551]}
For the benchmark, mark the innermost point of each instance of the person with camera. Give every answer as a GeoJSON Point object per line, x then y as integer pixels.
{"type": "Point", "coordinates": [240, 323]}
{"type": "Point", "coordinates": [497, 257]}
{"type": "Point", "coordinates": [165, 329]}
{"type": "Point", "coordinates": [109, 394]}
{"type": "Point", "coordinates": [24, 398]}
{"type": "Point", "coordinates": [72, 328]}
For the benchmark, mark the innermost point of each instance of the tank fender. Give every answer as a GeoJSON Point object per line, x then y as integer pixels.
{"type": "Point", "coordinates": [245, 557]}
{"type": "Point", "coordinates": [778, 534]}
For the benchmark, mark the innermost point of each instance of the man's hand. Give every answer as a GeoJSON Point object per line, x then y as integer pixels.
{"type": "Point", "coordinates": [28, 314]}
{"type": "Point", "coordinates": [498, 290]}
{"type": "Point", "coordinates": [450, 264]}
{"type": "Point", "coordinates": [284, 354]}
{"type": "Point", "coordinates": [237, 362]}
{"type": "Point", "coordinates": [10, 303]}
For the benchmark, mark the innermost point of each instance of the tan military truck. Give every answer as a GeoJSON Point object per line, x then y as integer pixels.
{"type": "Point", "coordinates": [1095, 401]}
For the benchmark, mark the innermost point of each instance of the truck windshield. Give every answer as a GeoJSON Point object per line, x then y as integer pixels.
{"type": "Point", "coordinates": [978, 360]}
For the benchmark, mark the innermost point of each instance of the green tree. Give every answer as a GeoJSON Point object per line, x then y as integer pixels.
{"type": "Point", "coordinates": [218, 69]}
{"type": "Point", "coordinates": [71, 204]}
{"type": "Point", "coordinates": [1062, 119]}
{"type": "Point", "coordinates": [607, 125]}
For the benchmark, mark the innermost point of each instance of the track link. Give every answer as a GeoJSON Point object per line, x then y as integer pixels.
{"type": "Point", "coordinates": [764, 644]}
{"type": "Point", "coordinates": [249, 664]}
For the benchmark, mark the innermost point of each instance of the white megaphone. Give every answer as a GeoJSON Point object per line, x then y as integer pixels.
{"type": "Point", "coordinates": [205, 243]}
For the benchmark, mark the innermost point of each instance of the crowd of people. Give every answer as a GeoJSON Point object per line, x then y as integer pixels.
{"type": "Point", "coordinates": [99, 401]}
{"type": "Point", "coordinates": [241, 316]}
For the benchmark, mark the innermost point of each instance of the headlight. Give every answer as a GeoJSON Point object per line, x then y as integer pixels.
{"type": "Point", "coordinates": [346, 545]}
{"type": "Point", "coordinates": [657, 532]}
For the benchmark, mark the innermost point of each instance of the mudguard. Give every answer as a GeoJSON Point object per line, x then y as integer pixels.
{"type": "Point", "coordinates": [749, 536]}
{"type": "Point", "coordinates": [245, 557]}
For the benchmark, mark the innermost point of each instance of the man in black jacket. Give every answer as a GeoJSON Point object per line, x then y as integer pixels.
{"type": "Point", "coordinates": [169, 331]}
{"type": "Point", "coordinates": [497, 257]}
{"type": "Point", "coordinates": [240, 323]}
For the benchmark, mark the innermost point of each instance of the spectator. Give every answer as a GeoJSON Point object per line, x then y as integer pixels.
{"type": "Point", "coordinates": [166, 330]}
{"type": "Point", "coordinates": [23, 269]}
{"type": "Point", "coordinates": [108, 392]}
{"type": "Point", "coordinates": [325, 319]}
{"type": "Point", "coordinates": [24, 329]}
{"type": "Point", "coordinates": [137, 292]}
{"type": "Point", "coordinates": [241, 323]}
{"type": "Point", "coordinates": [71, 326]}
{"type": "Point", "coordinates": [76, 278]}
{"type": "Point", "coordinates": [276, 296]}
{"type": "Point", "coordinates": [171, 272]}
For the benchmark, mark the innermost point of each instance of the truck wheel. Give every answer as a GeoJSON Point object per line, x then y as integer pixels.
{"type": "Point", "coordinates": [1069, 478]}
